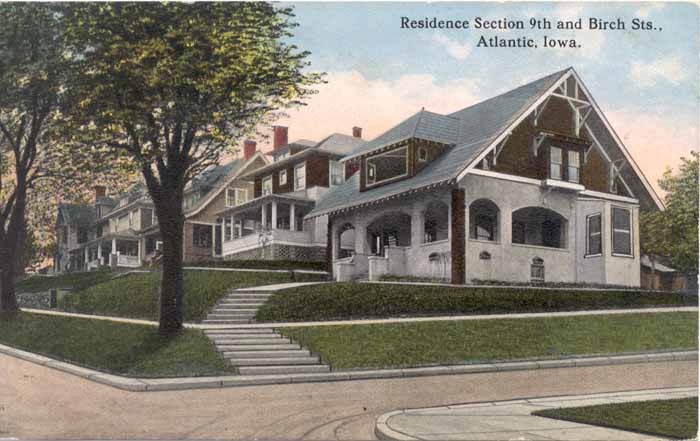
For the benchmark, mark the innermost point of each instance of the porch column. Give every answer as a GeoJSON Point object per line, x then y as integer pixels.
{"type": "Point", "coordinates": [417, 224]}
{"type": "Point", "coordinates": [213, 239]}
{"type": "Point", "coordinates": [114, 246]}
{"type": "Point", "coordinates": [263, 217]}
{"type": "Point", "coordinates": [329, 247]}
{"type": "Point", "coordinates": [87, 256]}
{"type": "Point", "coordinates": [292, 218]}
{"type": "Point", "coordinates": [99, 253]}
{"type": "Point", "coordinates": [458, 238]}
{"type": "Point", "coordinates": [140, 250]}
{"type": "Point", "coordinates": [274, 215]}
{"type": "Point", "coordinates": [231, 221]}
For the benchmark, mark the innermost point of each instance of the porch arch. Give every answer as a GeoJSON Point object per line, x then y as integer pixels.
{"type": "Point", "coordinates": [345, 238]}
{"type": "Point", "coordinates": [539, 226]}
{"type": "Point", "coordinates": [389, 229]}
{"type": "Point", "coordinates": [436, 222]}
{"type": "Point", "coordinates": [484, 220]}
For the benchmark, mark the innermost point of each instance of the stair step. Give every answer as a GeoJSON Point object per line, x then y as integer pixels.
{"type": "Point", "coordinates": [273, 370]}
{"type": "Point", "coordinates": [246, 302]}
{"type": "Point", "coordinates": [287, 361]}
{"type": "Point", "coordinates": [251, 341]}
{"type": "Point", "coordinates": [239, 331]}
{"type": "Point", "coordinates": [227, 315]}
{"type": "Point", "coordinates": [241, 321]}
{"type": "Point", "coordinates": [248, 336]}
{"type": "Point", "coordinates": [246, 348]}
{"type": "Point", "coordinates": [236, 308]}
{"type": "Point", "coordinates": [294, 353]}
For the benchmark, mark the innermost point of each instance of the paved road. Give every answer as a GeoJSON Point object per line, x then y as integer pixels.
{"type": "Point", "coordinates": [38, 402]}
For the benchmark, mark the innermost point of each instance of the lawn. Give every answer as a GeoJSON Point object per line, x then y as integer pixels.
{"type": "Point", "coordinates": [76, 281]}
{"type": "Point", "coordinates": [458, 341]}
{"type": "Point", "coordinates": [672, 418]}
{"type": "Point", "coordinates": [364, 300]}
{"type": "Point", "coordinates": [136, 295]}
{"type": "Point", "coordinates": [118, 348]}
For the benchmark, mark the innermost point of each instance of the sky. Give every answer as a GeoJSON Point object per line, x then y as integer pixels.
{"type": "Point", "coordinates": [646, 82]}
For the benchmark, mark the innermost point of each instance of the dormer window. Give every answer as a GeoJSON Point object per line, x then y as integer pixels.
{"type": "Point", "coordinates": [336, 172]}
{"type": "Point", "coordinates": [386, 166]}
{"type": "Point", "coordinates": [556, 162]}
{"type": "Point", "coordinates": [283, 177]}
{"type": "Point", "coordinates": [422, 154]}
{"type": "Point", "coordinates": [565, 164]}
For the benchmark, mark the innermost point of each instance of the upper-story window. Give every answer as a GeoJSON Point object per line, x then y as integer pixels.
{"type": "Point", "coordinates": [300, 177]}
{"type": "Point", "coordinates": [422, 154]}
{"type": "Point", "coordinates": [283, 177]}
{"type": "Point", "coordinates": [336, 172]}
{"type": "Point", "coordinates": [573, 166]}
{"type": "Point", "coordinates": [386, 166]}
{"type": "Point", "coordinates": [236, 196]}
{"type": "Point", "coordinates": [556, 162]}
{"type": "Point", "coordinates": [267, 185]}
{"type": "Point", "coordinates": [621, 231]}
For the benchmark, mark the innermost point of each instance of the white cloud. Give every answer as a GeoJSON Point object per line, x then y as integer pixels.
{"type": "Point", "coordinates": [455, 49]}
{"type": "Point", "coordinates": [645, 10]}
{"type": "Point", "coordinates": [670, 69]}
{"type": "Point", "coordinates": [590, 42]}
{"type": "Point", "coordinates": [350, 99]}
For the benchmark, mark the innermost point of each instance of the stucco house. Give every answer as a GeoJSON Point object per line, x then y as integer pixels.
{"type": "Point", "coordinates": [122, 230]}
{"type": "Point", "coordinates": [533, 185]}
{"type": "Point", "coordinates": [273, 224]}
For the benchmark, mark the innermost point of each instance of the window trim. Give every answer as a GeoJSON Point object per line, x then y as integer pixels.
{"type": "Point", "coordinates": [296, 176]}
{"type": "Point", "coordinates": [569, 166]}
{"type": "Point", "coordinates": [262, 186]}
{"type": "Point", "coordinates": [630, 232]}
{"type": "Point", "coordinates": [340, 173]}
{"type": "Point", "coordinates": [282, 177]}
{"type": "Point", "coordinates": [588, 235]}
{"type": "Point", "coordinates": [385, 181]}
{"type": "Point", "coordinates": [560, 164]}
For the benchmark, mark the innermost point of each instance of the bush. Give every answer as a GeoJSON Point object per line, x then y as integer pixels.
{"type": "Point", "coordinates": [262, 264]}
{"type": "Point", "coordinates": [360, 300]}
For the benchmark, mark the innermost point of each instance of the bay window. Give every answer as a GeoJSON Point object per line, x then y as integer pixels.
{"type": "Point", "coordinates": [621, 231]}
{"type": "Point", "coordinates": [594, 243]}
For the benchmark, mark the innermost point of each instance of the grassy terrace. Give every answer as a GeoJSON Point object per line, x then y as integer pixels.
{"type": "Point", "coordinates": [363, 300]}
{"type": "Point", "coordinates": [262, 264]}
{"type": "Point", "coordinates": [449, 342]}
{"type": "Point", "coordinates": [671, 418]}
{"type": "Point", "coordinates": [78, 281]}
{"type": "Point", "coordinates": [136, 295]}
{"type": "Point", "coordinates": [117, 348]}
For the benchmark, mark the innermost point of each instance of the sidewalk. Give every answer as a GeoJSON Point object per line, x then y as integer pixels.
{"type": "Point", "coordinates": [513, 420]}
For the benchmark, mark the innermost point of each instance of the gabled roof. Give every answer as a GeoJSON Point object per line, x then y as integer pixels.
{"type": "Point", "coordinates": [422, 125]}
{"type": "Point", "coordinates": [80, 215]}
{"type": "Point", "coordinates": [474, 128]}
{"type": "Point", "coordinates": [338, 144]}
{"type": "Point", "coordinates": [299, 143]}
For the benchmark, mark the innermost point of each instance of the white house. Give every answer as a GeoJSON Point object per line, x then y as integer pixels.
{"type": "Point", "coordinates": [529, 186]}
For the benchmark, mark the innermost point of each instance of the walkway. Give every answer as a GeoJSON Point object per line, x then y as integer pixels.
{"type": "Point", "coordinates": [503, 420]}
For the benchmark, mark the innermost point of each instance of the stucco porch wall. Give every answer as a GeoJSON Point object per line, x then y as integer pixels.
{"type": "Point", "coordinates": [413, 260]}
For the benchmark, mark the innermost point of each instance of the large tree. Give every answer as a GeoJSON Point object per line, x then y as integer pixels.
{"type": "Point", "coordinates": [672, 234]}
{"type": "Point", "coordinates": [32, 71]}
{"type": "Point", "coordinates": [173, 86]}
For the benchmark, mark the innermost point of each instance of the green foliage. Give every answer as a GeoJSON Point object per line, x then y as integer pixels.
{"type": "Point", "coordinates": [117, 348]}
{"type": "Point", "coordinates": [668, 418]}
{"type": "Point", "coordinates": [136, 295]}
{"type": "Point", "coordinates": [459, 341]}
{"type": "Point", "coordinates": [672, 234]}
{"type": "Point", "coordinates": [262, 264]}
{"type": "Point", "coordinates": [358, 300]}
{"type": "Point", "coordinates": [75, 281]}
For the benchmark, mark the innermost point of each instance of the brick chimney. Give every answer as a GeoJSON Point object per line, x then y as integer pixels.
{"type": "Point", "coordinates": [248, 149]}
{"type": "Point", "coordinates": [357, 132]}
{"type": "Point", "coordinates": [100, 191]}
{"type": "Point", "coordinates": [280, 137]}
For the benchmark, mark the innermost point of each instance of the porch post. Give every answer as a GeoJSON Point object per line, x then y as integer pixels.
{"type": "Point", "coordinates": [292, 218]}
{"type": "Point", "coordinates": [263, 217]}
{"type": "Point", "coordinates": [114, 246]}
{"type": "Point", "coordinates": [457, 241]}
{"type": "Point", "coordinates": [87, 256]}
{"type": "Point", "coordinates": [329, 247]}
{"type": "Point", "coordinates": [99, 252]}
{"type": "Point", "coordinates": [213, 239]}
{"type": "Point", "coordinates": [274, 215]}
{"type": "Point", "coordinates": [140, 250]}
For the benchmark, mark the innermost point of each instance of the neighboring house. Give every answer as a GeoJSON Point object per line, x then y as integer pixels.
{"type": "Point", "coordinates": [656, 275]}
{"type": "Point", "coordinates": [272, 225]}
{"type": "Point", "coordinates": [529, 186]}
{"type": "Point", "coordinates": [123, 231]}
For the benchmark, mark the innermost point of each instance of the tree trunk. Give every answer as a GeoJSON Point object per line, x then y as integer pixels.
{"type": "Point", "coordinates": [171, 221]}
{"type": "Point", "coordinates": [8, 299]}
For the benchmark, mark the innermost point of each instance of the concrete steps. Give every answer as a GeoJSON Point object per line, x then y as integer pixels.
{"type": "Point", "coordinates": [256, 351]}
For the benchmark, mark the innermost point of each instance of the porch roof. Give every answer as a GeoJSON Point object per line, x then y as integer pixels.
{"type": "Point", "coordinates": [474, 129]}
{"type": "Point", "coordinates": [254, 203]}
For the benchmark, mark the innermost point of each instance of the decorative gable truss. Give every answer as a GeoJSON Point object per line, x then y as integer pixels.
{"type": "Point", "coordinates": [571, 89]}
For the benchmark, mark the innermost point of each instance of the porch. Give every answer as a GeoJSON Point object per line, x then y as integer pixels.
{"type": "Point", "coordinates": [115, 251]}
{"type": "Point", "coordinates": [266, 221]}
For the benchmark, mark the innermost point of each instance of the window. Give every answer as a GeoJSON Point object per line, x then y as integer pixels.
{"type": "Point", "coordinates": [386, 166]}
{"type": "Point", "coordinates": [336, 172]}
{"type": "Point", "coordinates": [236, 196]}
{"type": "Point", "coordinates": [422, 154]}
{"type": "Point", "coordinates": [64, 235]}
{"type": "Point", "coordinates": [228, 229]}
{"type": "Point", "coordinates": [483, 220]}
{"type": "Point", "coordinates": [594, 244]}
{"type": "Point", "coordinates": [300, 177]}
{"type": "Point", "coordinates": [146, 217]}
{"type": "Point", "coordinates": [555, 163]}
{"type": "Point", "coordinates": [201, 236]}
{"type": "Point", "coordinates": [283, 177]}
{"type": "Point", "coordinates": [572, 169]}
{"type": "Point", "coordinates": [267, 186]}
{"type": "Point", "coordinates": [621, 231]}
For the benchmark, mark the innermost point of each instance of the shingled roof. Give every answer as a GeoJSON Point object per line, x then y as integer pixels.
{"type": "Point", "coordinates": [80, 215]}
{"type": "Point", "coordinates": [468, 132]}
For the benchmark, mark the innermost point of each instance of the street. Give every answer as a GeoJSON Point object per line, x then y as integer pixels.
{"type": "Point", "coordinates": [38, 402]}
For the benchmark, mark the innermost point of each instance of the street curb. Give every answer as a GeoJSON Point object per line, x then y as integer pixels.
{"type": "Point", "coordinates": [165, 384]}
